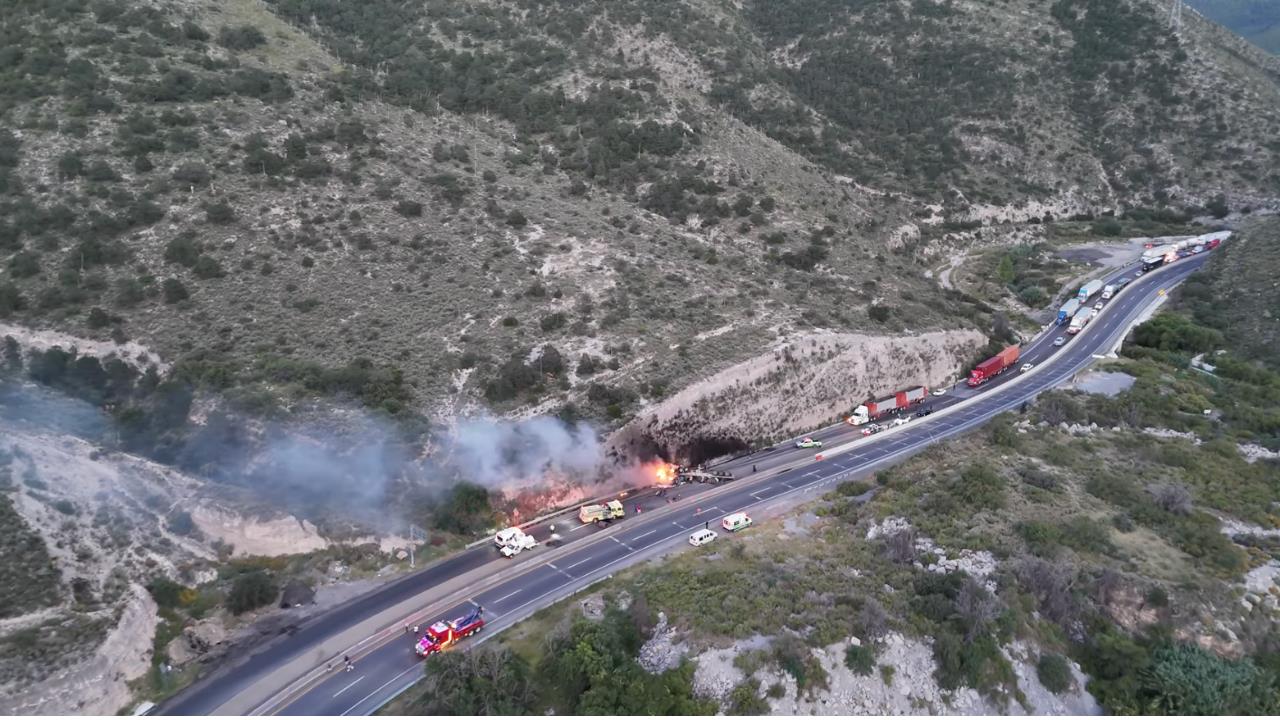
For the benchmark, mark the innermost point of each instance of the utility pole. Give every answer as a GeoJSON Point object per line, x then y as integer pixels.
{"type": "Point", "coordinates": [415, 533]}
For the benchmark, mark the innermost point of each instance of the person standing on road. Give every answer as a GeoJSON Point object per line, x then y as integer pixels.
{"type": "Point", "coordinates": [706, 525]}
{"type": "Point", "coordinates": [350, 665]}
{"type": "Point", "coordinates": [753, 468]}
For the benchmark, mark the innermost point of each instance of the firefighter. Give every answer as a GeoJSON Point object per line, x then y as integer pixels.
{"type": "Point", "coordinates": [350, 665]}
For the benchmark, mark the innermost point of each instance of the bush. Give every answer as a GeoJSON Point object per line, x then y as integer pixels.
{"type": "Point", "coordinates": [173, 291]}
{"type": "Point", "coordinates": [879, 313]}
{"type": "Point", "coordinates": [861, 659]}
{"type": "Point", "coordinates": [180, 523]}
{"type": "Point", "coordinates": [552, 322]}
{"type": "Point", "coordinates": [207, 268]}
{"type": "Point", "coordinates": [252, 590]}
{"type": "Point", "coordinates": [980, 487]}
{"type": "Point", "coordinates": [745, 699]}
{"type": "Point", "coordinates": [219, 213]}
{"type": "Point", "coordinates": [241, 37]}
{"type": "Point", "coordinates": [1054, 672]}
{"type": "Point", "coordinates": [11, 300]}
{"type": "Point", "coordinates": [192, 173]}
{"type": "Point", "coordinates": [516, 219]}
{"type": "Point", "coordinates": [409, 208]}
{"type": "Point", "coordinates": [1109, 227]}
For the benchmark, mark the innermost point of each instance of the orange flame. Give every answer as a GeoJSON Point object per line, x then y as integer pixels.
{"type": "Point", "coordinates": [664, 474]}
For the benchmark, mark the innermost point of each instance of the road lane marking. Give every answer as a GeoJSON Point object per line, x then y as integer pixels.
{"type": "Point", "coordinates": [570, 567]}
{"type": "Point", "coordinates": [576, 529]}
{"type": "Point", "coordinates": [382, 687]}
{"type": "Point", "coordinates": [353, 684]}
{"type": "Point", "coordinates": [644, 535]}
{"type": "Point", "coordinates": [504, 597]}
{"type": "Point", "coordinates": [621, 543]}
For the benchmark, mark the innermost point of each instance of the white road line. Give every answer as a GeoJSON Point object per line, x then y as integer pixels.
{"type": "Point", "coordinates": [644, 535]}
{"type": "Point", "coordinates": [383, 686]}
{"type": "Point", "coordinates": [504, 597]}
{"type": "Point", "coordinates": [576, 529]}
{"type": "Point", "coordinates": [570, 567]}
{"type": "Point", "coordinates": [353, 684]}
{"type": "Point", "coordinates": [621, 543]}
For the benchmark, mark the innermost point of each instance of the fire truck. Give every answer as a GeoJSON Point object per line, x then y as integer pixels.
{"type": "Point", "coordinates": [441, 634]}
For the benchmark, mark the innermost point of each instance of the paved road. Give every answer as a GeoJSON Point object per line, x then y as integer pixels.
{"type": "Point", "coordinates": [386, 665]}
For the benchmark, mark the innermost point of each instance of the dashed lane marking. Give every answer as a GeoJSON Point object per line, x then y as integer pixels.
{"type": "Point", "coordinates": [578, 563]}
{"type": "Point", "coordinates": [621, 543]}
{"type": "Point", "coordinates": [504, 597]}
{"type": "Point", "coordinates": [348, 687]}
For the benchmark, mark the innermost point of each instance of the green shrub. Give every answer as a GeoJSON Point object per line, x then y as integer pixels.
{"type": "Point", "coordinates": [980, 487]}
{"type": "Point", "coordinates": [251, 590]}
{"type": "Point", "coordinates": [173, 291]}
{"type": "Point", "coordinates": [1054, 672]}
{"type": "Point", "coordinates": [861, 659]}
{"type": "Point", "coordinates": [745, 699]}
{"type": "Point", "coordinates": [241, 37]}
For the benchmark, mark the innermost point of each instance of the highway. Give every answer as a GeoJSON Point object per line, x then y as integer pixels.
{"type": "Point", "coordinates": [511, 590]}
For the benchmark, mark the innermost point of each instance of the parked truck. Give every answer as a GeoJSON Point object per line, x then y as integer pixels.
{"type": "Point", "coordinates": [1108, 291]}
{"type": "Point", "coordinates": [442, 634]}
{"type": "Point", "coordinates": [607, 512]}
{"type": "Point", "coordinates": [1081, 319]}
{"type": "Point", "coordinates": [995, 365]}
{"type": "Point", "coordinates": [894, 403]}
{"type": "Point", "coordinates": [1088, 290]}
{"type": "Point", "coordinates": [1068, 311]}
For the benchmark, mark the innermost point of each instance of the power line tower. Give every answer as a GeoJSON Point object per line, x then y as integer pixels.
{"type": "Point", "coordinates": [1175, 15]}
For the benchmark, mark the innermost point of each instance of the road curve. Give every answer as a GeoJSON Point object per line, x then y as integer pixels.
{"type": "Point", "coordinates": [385, 664]}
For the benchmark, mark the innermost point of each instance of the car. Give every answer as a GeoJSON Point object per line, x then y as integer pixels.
{"type": "Point", "coordinates": [1026, 367]}
{"type": "Point", "coordinates": [872, 429]}
{"type": "Point", "coordinates": [1060, 341]}
{"type": "Point", "coordinates": [939, 392]}
{"type": "Point", "coordinates": [1098, 305]}
{"type": "Point", "coordinates": [923, 413]}
{"type": "Point", "coordinates": [900, 421]}
{"type": "Point", "coordinates": [808, 443]}
{"type": "Point", "coordinates": [1198, 249]}
{"type": "Point", "coordinates": [1138, 273]}
{"type": "Point", "coordinates": [702, 537]}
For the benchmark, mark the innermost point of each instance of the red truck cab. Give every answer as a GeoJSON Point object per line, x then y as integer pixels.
{"type": "Point", "coordinates": [993, 366]}
{"type": "Point", "coordinates": [443, 633]}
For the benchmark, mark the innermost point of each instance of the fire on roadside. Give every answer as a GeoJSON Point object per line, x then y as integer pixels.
{"type": "Point", "coordinates": [664, 474]}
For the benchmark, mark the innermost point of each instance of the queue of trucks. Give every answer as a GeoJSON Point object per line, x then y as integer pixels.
{"type": "Point", "coordinates": [1156, 256]}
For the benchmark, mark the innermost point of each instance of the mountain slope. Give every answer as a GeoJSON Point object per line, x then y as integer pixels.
{"type": "Point", "coordinates": [527, 204]}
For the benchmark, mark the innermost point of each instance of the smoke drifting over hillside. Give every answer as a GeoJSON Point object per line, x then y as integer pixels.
{"type": "Point", "coordinates": [510, 455]}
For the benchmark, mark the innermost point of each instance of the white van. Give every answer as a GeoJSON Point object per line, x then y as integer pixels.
{"type": "Point", "coordinates": [736, 521]}
{"type": "Point", "coordinates": [702, 537]}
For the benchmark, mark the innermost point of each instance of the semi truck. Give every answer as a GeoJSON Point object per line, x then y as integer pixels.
{"type": "Point", "coordinates": [1088, 290]}
{"type": "Point", "coordinates": [443, 633]}
{"type": "Point", "coordinates": [1157, 256]}
{"type": "Point", "coordinates": [994, 365]}
{"type": "Point", "coordinates": [1081, 319]}
{"type": "Point", "coordinates": [1068, 311]}
{"type": "Point", "coordinates": [1108, 291]}
{"type": "Point", "coordinates": [894, 403]}
{"type": "Point", "coordinates": [611, 510]}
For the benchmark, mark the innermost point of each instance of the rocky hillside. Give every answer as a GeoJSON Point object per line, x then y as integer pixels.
{"type": "Point", "coordinates": [1239, 294]}
{"type": "Point", "coordinates": [528, 204]}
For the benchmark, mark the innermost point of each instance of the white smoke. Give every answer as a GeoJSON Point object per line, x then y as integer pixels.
{"type": "Point", "coordinates": [516, 455]}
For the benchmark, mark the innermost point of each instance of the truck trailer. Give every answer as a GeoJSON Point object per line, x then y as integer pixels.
{"type": "Point", "coordinates": [1068, 311]}
{"type": "Point", "coordinates": [995, 365]}
{"type": "Point", "coordinates": [894, 403]}
{"type": "Point", "coordinates": [611, 510]}
{"type": "Point", "coordinates": [1089, 289]}
{"type": "Point", "coordinates": [1081, 319]}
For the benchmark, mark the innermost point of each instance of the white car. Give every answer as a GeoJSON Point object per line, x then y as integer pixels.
{"type": "Point", "coordinates": [939, 392]}
{"type": "Point", "coordinates": [1027, 366]}
{"type": "Point", "coordinates": [872, 429]}
{"type": "Point", "coordinates": [808, 443]}
{"type": "Point", "coordinates": [900, 421]}
{"type": "Point", "coordinates": [1098, 305]}
{"type": "Point", "coordinates": [702, 537]}
{"type": "Point", "coordinates": [1060, 341]}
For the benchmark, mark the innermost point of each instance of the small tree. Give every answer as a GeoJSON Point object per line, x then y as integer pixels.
{"type": "Point", "coordinates": [173, 291]}
{"type": "Point", "coordinates": [1054, 673]}
{"type": "Point", "coordinates": [252, 590]}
